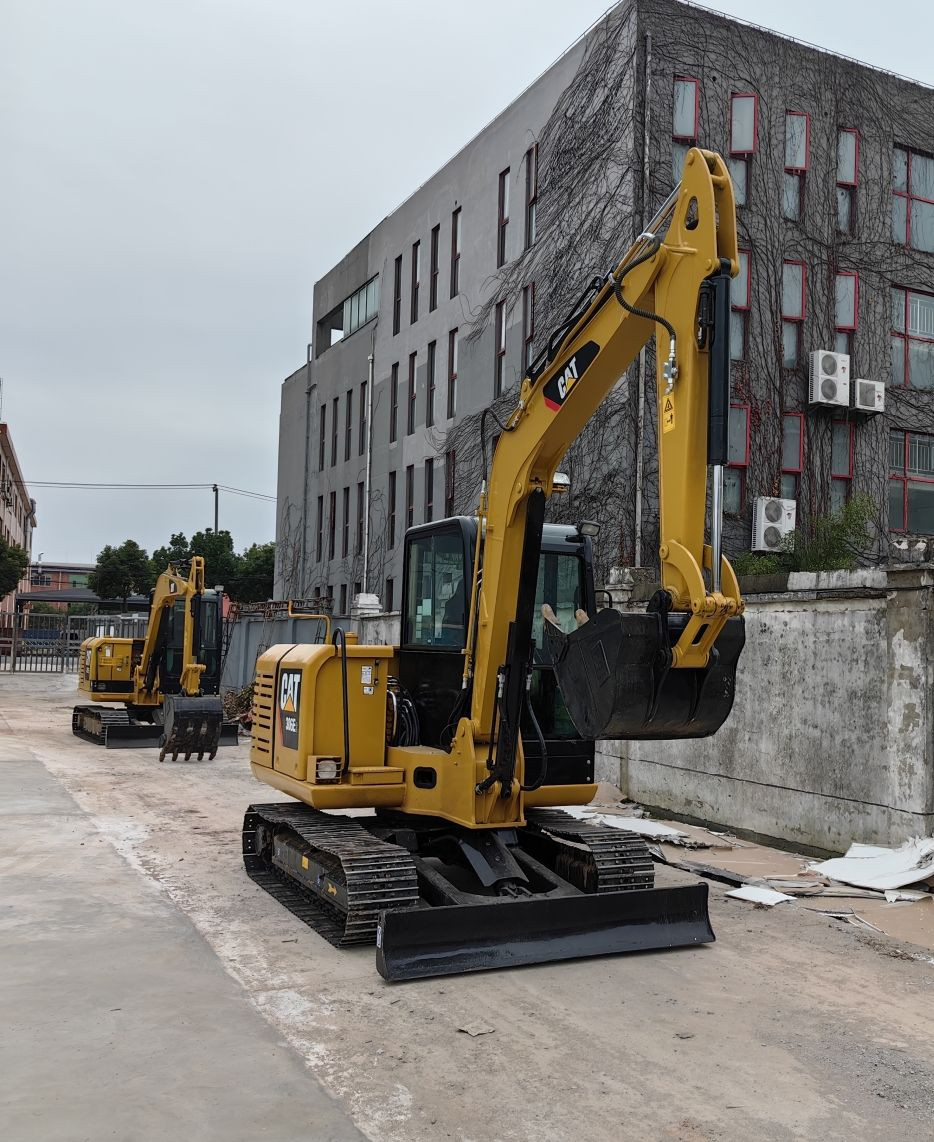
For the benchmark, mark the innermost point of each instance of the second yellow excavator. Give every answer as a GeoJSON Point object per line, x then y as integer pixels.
{"type": "Point", "coordinates": [466, 737]}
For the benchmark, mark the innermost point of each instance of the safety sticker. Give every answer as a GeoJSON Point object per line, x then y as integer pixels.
{"type": "Point", "coordinates": [668, 414]}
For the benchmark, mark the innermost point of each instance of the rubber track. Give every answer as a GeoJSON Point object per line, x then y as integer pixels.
{"type": "Point", "coordinates": [106, 716]}
{"type": "Point", "coordinates": [377, 875]}
{"type": "Point", "coordinates": [621, 860]}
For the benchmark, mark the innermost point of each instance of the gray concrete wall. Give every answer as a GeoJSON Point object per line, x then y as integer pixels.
{"type": "Point", "coordinates": [830, 738]}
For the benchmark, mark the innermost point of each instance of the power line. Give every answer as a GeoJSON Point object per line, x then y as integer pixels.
{"type": "Point", "coordinates": [92, 486]}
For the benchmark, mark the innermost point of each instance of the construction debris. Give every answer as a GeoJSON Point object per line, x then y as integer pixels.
{"type": "Point", "coordinates": [873, 866]}
{"type": "Point", "coordinates": [762, 897]}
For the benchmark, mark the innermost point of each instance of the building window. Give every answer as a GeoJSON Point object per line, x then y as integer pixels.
{"type": "Point", "coordinates": [686, 109]}
{"type": "Point", "coordinates": [744, 123]}
{"type": "Point", "coordinates": [361, 442]}
{"type": "Point", "coordinates": [397, 296]}
{"type": "Point", "coordinates": [502, 222]}
{"type": "Point", "coordinates": [797, 161]}
{"type": "Point", "coordinates": [430, 401]}
{"type": "Point", "coordinates": [319, 546]}
{"type": "Point", "coordinates": [343, 600]}
{"type": "Point", "coordinates": [360, 517]}
{"type": "Point", "coordinates": [841, 464]}
{"type": "Point", "coordinates": [739, 173]}
{"type": "Point", "coordinates": [348, 423]}
{"type": "Point", "coordinates": [391, 513]}
{"type": "Point", "coordinates": [345, 522]}
{"type": "Point", "coordinates": [734, 476]}
{"type": "Point", "coordinates": [911, 482]}
{"type": "Point", "coordinates": [452, 373]}
{"type": "Point", "coordinates": [740, 295]}
{"type": "Point", "coordinates": [912, 339]}
{"type": "Point", "coordinates": [410, 401]}
{"type": "Point", "coordinates": [531, 194]}
{"type": "Point", "coordinates": [409, 495]}
{"type": "Point", "coordinates": [847, 176]}
{"type": "Point", "coordinates": [332, 523]}
{"type": "Point", "coordinates": [455, 251]}
{"type": "Point", "coordinates": [499, 322]}
{"type": "Point", "coordinates": [322, 434]}
{"type": "Point", "coordinates": [792, 453]}
{"type": "Point", "coordinates": [389, 594]}
{"type": "Point", "coordinates": [846, 311]}
{"type": "Point", "coordinates": [394, 402]}
{"type": "Point", "coordinates": [416, 278]}
{"type": "Point", "coordinates": [334, 410]}
{"type": "Point", "coordinates": [528, 325]}
{"type": "Point", "coordinates": [794, 278]}
{"type": "Point", "coordinates": [362, 306]}
{"type": "Point", "coordinates": [913, 199]}
{"type": "Point", "coordinates": [792, 195]}
{"type": "Point", "coordinates": [450, 464]}
{"type": "Point", "coordinates": [433, 268]}
{"type": "Point", "coordinates": [429, 491]}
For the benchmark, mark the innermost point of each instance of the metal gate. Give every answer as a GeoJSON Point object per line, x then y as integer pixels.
{"type": "Point", "coordinates": [50, 643]}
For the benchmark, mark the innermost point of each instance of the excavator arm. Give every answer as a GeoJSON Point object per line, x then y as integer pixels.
{"type": "Point", "coordinates": [674, 284]}
{"type": "Point", "coordinates": [171, 587]}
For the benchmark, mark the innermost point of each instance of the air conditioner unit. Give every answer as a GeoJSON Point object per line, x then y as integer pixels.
{"type": "Point", "coordinates": [773, 520]}
{"type": "Point", "coordinates": [830, 378]}
{"type": "Point", "coordinates": [869, 396]}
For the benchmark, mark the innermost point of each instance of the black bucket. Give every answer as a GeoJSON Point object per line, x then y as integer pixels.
{"type": "Point", "coordinates": [191, 725]}
{"type": "Point", "coordinates": [617, 682]}
{"type": "Point", "coordinates": [416, 943]}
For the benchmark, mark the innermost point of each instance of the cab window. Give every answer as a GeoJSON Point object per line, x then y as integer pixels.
{"type": "Point", "coordinates": [436, 593]}
{"type": "Point", "coordinates": [560, 585]}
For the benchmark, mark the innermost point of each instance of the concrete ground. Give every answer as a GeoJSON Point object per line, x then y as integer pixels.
{"type": "Point", "coordinates": [152, 992]}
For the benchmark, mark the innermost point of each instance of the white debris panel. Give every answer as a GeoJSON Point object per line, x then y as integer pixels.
{"type": "Point", "coordinates": [873, 866]}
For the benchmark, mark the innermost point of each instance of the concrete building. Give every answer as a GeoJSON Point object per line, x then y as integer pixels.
{"type": "Point", "coordinates": [450, 295]}
{"type": "Point", "coordinates": [54, 578]}
{"type": "Point", "coordinates": [17, 510]}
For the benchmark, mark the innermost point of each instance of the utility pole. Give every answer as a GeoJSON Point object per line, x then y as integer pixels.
{"type": "Point", "coordinates": [215, 508]}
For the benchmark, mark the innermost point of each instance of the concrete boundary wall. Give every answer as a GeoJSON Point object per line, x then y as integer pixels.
{"type": "Point", "coordinates": [830, 738]}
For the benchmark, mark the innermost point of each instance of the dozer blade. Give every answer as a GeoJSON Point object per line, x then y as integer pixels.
{"type": "Point", "coordinates": [416, 943]}
{"type": "Point", "coordinates": [615, 680]}
{"type": "Point", "coordinates": [191, 726]}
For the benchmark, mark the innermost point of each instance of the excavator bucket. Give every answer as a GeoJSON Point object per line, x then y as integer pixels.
{"type": "Point", "coordinates": [616, 680]}
{"type": "Point", "coordinates": [415, 943]}
{"type": "Point", "coordinates": [191, 725]}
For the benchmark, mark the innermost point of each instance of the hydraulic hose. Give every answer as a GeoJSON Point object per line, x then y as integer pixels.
{"type": "Point", "coordinates": [543, 772]}
{"type": "Point", "coordinates": [343, 646]}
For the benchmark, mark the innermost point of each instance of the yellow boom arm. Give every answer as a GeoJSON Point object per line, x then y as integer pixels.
{"type": "Point", "coordinates": [170, 588]}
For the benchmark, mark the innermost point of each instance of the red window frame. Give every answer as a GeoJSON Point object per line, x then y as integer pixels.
{"type": "Point", "coordinates": [807, 141]}
{"type": "Point", "coordinates": [416, 279]}
{"type": "Point", "coordinates": [499, 320]}
{"type": "Point", "coordinates": [528, 325]}
{"type": "Point", "coordinates": [452, 372]}
{"type": "Point", "coordinates": [450, 469]}
{"type": "Point", "coordinates": [907, 337]}
{"type": "Point", "coordinates": [455, 251]}
{"type": "Point", "coordinates": [502, 217]}
{"type": "Point", "coordinates": [748, 302]}
{"type": "Point", "coordinates": [397, 296]}
{"type": "Point", "coordinates": [394, 402]}
{"type": "Point", "coordinates": [409, 495]}
{"type": "Point", "coordinates": [735, 464]}
{"type": "Point", "coordinates": [430, 399]}
{"type": "Point", "coordinates": [845, 478]}
{"type": "Point", "coordinates": [907, 192]}
{"type": "Point", "coordinates": [804, 288]}
{"type": "Point", "coordinates": [391, 512]}
{"type": "Point", "coordinates": [904, 478]}
{"type": "Point", "coordinates": [696, 82]}
{"type": "Point", "coordinates": [429, 512]}
{"type": "Point", "coordinates": [786, 471]}
{"type": "Point", "coordinates": [531, 193]}
{"type": "Point", "coordinates": [848, 274]}
{"type": "Point", "coordinates": [849, 131]}
{"type": "Point", "coordinates": [434, 272]}
{"type": "Point", "coordinates": [741, 152]}
{"type": "Point", "coordinates": [410, 404]}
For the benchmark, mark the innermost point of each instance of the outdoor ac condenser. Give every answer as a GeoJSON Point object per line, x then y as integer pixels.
{"type": "Point", "coordinates": [830, 378]}
{"type": "Point", "coordinates": [774, 519]}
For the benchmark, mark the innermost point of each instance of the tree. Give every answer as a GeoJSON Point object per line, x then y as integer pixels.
{"type": "Point", "coordinates": [221, 561]}
{"type": "Point", "coordinates": [253, 581]}
{"type": "Point", "coordinates": [120, 571]}
{"type": "Point", "coordinates": [13, 564]}
{"type": "Point", "coordinates": [176, 551]}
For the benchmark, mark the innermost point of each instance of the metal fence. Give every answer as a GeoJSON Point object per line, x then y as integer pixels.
{"type": "Point", "coordinates": [50, 643]}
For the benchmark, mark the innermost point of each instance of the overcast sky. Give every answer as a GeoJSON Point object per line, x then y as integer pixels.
{"type": "Point", "coordinates": [176, 174]}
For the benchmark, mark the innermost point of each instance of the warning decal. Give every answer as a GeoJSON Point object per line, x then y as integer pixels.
{"type": "Point", "coordinates": [290, 689]}
{"type": "Point", "coordinates": [668, 413]}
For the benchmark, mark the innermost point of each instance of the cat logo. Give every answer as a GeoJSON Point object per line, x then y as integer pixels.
{"type": "Point", "coordinates": [290, 688]}
{"type": "Point", "coordinates": [568, 374]}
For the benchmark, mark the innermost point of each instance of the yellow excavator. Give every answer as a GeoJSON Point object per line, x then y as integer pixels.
{"type": "Point", "coordinates": [464, 739]}
{"type": "Point", "coordinates": [164, 687]}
